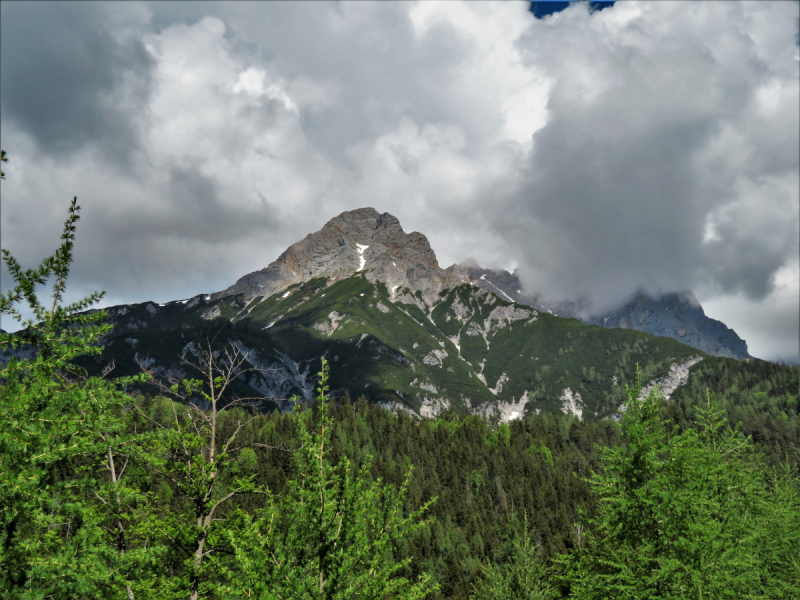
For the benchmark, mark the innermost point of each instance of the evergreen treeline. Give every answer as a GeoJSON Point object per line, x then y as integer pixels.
{"type": "Point", "coordinates": [761, 396]}
{"type": "Point", "coordinates": [105, 495]}
{"type": "Point", "coordinates": [483, 477]}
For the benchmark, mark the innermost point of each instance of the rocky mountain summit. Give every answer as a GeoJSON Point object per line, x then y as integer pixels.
{"type": "Point", "coordinates": [361, 240]}
{"type": "Point", "coordinates": [679, 316]}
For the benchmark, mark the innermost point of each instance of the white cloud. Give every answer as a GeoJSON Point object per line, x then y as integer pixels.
{"type": "Point", "coordinates": [496, 74]}
{"type": "Point", "coordinates": [669, 152]}
{"type": "Point", "coordinates": [771, 325]}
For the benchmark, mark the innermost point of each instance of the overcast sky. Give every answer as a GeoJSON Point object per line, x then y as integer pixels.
{"type": "Point", "coordinates": [647, 145]}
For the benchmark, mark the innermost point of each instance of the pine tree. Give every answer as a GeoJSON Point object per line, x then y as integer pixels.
{"type": "Point", "coordinates": [521, 577]}
{"type": "Point", "coordinates": [331, 535]}
{"type": "Point", "coordinates": [63, 531]}
{"type": "Point", "coordinates": [684, 515]}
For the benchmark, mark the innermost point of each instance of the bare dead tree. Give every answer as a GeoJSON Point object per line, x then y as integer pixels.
{"type": "Point", "coordinates": [197, 449]}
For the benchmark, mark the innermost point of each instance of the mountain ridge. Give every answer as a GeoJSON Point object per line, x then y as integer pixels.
{"type": "Point", "coordinates": [375, 243]}
{"type": "Point", "coordinates": [396, 328]}
{"type": "Point", "coordinates": [642, 312]}
{"type": "Point", "coordinates": [354, 241]}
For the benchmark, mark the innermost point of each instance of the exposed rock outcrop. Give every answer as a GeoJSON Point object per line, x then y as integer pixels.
{"type": "Point", "coordinates": [571, 403]}
{"type": "Point", "coordinates": [504, 411]}
{"type": "Point", "coordinates": [361, 240]}
{"type": "Point", "coordinates": [678, 375]}
{"type": "Point", "coordinates": [680, 317]}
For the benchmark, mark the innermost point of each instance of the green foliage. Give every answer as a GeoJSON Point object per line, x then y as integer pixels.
{"type": "Point", "coordinates": [522, 576]}
{"type": "Point", "coordinates": [248, 461]}
{"type": "Point", "coordinates": [759, 396]}
{"type": "Point", "coordinates": [60, 434]}
{"type": "Point", "coordinates": [476, 481]}
{"type": "Point", "coordinates": [331, 534]}
{"type": "Point", "coordinates": [101, 501]}
{"type": "Point", "coordinates": [504, 433]}
{"type": "Point", "coordinates": [685, 515]}
{"type": "Point", "coordinates": [104, 495]}
{"type": "Point", "coordinates": [196, 458]}
{"type": "Point", "coordinates": [478, 487]}
{"type": "Point", "coordinates": [544, 451]}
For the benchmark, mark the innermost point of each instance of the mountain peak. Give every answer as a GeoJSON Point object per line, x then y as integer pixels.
{"type": "Point", "coordinates": [678, 315]}
{"type": "Point", "coordinates": [355, 241]}
{"type": "Point", "coordinates": [362, 218]}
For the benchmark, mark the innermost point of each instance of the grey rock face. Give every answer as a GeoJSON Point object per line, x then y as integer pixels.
{"type": "Point", "coordinates": [361, 240]}
{"type": "Point", "coordinates": [509, 287]}
{"type": "Point", "coordinates": [24, 353]}
{"type": "Point", "coordinates": [679, 316]}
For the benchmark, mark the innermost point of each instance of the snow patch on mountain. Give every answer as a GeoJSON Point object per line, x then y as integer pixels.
{"type": "Point", "coordinates": [363, 261]}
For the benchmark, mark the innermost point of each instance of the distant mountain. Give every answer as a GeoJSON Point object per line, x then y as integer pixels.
{"type": "Point", "coordinates": [397, 328]}
{"type": "Point", "coordinates": [679, 316]}
{"type": "Point", "coordinates": [675, 315]}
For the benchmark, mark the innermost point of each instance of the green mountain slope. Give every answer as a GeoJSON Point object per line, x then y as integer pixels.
{"type": "Point", "coordinates": [470, 349]}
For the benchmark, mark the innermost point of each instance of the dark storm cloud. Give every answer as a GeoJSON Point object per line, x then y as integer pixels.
{"type": "Point", "coordinates": [70, 83]}
{"type": "Point", "coordinates": [195, 212]}
{"type": "Point", "coordinates": [610, 213]}
{"type": "Point", "coordinates": [621, 193]}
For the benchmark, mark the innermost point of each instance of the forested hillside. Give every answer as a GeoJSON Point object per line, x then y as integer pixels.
{"type": "Point", "coordinates": [470, 349]}
{"type": "Point", "coordinates": [485, 479]}
{"type": "Point", "coordinates": [486, 476]}
{"type": "Point", "coordinates": [760, 395]}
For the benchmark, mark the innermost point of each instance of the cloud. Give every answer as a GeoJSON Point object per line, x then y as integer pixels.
{"type": "Point", "coordinates": [649, 144]}
{"type": "Point", "coordinates": [669, 154]}
{"type": "Point", "coordinates": [69, 80]}
{"type": "Point", "coordinates": [770, 326]}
